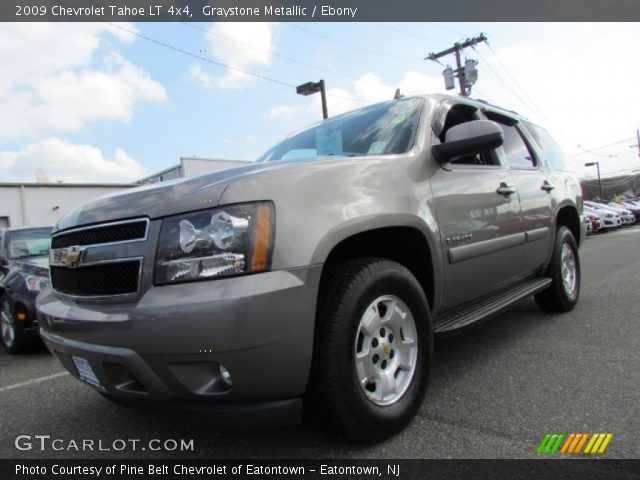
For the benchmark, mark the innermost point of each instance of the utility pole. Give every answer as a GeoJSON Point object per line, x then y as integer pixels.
{"type": "Point", "coordinates": [462, 72]}
{"type": "Point", "coordinates": [597, 165]}
{"type": "Point", "coordinates": [637, 144]}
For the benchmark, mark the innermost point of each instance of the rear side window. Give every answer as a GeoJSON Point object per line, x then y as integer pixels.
{"type": "Point", "coordinates": [548, 147]}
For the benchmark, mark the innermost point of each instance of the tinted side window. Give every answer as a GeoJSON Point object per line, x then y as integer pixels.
{"type": "Point", "coordinates": [516, 151]}
{"type": "Point", "coordinates": [548, 147]}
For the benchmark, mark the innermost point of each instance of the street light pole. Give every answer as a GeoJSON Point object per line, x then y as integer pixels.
{"type": "Point", "coordinates": [597, 164]}
{"type": "Point", "coordinates": [323, 95]}
{"type": "Point", "coordinates": [310, 88]}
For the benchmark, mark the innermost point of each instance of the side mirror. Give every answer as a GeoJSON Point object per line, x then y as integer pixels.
{"type": "Point", "coordinates": [470, 138]}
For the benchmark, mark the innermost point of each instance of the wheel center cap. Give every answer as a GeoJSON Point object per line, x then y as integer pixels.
{"type": "Point", "coordinates": [385, 348]}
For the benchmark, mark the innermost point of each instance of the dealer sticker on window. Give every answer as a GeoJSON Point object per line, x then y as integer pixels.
{"type": "Point", "coordinates": [86, 373]}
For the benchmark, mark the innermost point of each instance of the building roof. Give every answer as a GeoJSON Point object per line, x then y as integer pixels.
{"type": "Point", "coordinates": [61, 185]}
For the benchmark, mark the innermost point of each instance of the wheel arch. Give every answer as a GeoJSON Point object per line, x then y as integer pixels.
{"type": "Point", "coordinates": [403, 244]}
{"type": "Point", "coordinates": [567, 216]}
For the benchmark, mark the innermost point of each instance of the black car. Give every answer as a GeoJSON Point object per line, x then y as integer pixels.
{"type": "Point", "coordinates": [24, 272]}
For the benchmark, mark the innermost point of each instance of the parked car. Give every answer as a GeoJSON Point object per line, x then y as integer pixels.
{"type": "Point", "coordinates": [24, 272]}
{"type": "Point", "coordinates": [592, 222]}
{"type": "Point", "coordinates": [609, 219]}
{"type": "Point", "coordinates": [626, 215]}
{"type": "Point", "coordinates": [633, 208]}
{"type": "Point", "coordinates": [322, 278]}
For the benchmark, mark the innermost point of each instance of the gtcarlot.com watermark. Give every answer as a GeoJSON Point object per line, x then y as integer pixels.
{"type": "Point", "coordinates": [47, 443]}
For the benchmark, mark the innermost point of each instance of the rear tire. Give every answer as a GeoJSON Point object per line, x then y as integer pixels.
{"type": "Point", "coordinates": [373, 350]}
{"type": "Point", "coordinates": [564, 270]}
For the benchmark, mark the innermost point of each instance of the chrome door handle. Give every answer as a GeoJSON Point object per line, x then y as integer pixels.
{"type": "Point", "coordinates": [547, 187]}
{"type": "Point", "coordinates": [505, 189]}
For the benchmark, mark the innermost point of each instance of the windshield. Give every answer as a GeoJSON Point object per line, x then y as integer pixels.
{"type": "Point", "coordinates": [31, 242]}
{"type": "Point", "coordinates": [381, 129]}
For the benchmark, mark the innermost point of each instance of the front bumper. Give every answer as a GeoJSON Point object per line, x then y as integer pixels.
{"type": "Point", "coordinates": [169, 345]}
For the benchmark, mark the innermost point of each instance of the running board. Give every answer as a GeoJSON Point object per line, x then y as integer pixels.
{"type": "Point", "coordinates": [482, 309]}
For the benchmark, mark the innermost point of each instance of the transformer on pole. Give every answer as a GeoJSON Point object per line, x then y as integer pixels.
{"type": "Point", "coordinates": [467, 74]}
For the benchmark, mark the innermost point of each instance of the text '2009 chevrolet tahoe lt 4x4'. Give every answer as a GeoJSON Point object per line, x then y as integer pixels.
{"type": "Point", "coordinates": [321, 272]}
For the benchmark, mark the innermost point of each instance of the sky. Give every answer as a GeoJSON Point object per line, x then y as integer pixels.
{"type": "Point", "coordinates": [94, 102]}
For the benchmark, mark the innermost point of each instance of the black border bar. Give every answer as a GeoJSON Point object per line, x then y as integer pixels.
{"type": "Point", "coordinates": [313, 469]}
{"type": "Point", "coordinates": [318, 10]}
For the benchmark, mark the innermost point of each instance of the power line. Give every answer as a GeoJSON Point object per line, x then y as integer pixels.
{"type": "Point", "coordinates": [591, 150]}
{"type": "Point", "coordinates": [410, 34]}
{"type": "Point", "coordinates": [505, 83]}
{"type": "Point", "coordinates": [626, 170]}
{"type": "Point", "coordinates": [200, 57]}
{"type": "Point", "coordinates": [345, 44]}
{"type": "Point", "coordinates": [448, 29]}
{"type": "Point", "coordinates": [275, 54]}
{"type": "Point", "coordinates": [221, 64]}
{"type": "Point", "coordinates": [514, 80]}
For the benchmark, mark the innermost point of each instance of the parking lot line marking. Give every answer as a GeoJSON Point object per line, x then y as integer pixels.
{"type": "Point", "coordinates": [31, 382]}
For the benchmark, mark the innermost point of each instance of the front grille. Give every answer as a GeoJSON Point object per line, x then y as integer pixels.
{"type": "Point", "coordinates": [118, 278]}
{"type": "Point", "coordinates": [117, 232]}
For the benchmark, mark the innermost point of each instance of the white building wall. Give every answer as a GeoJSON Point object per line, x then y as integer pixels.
{"type": "Point", "coordinates": [43, 204]}
{"type": "Point", "coordinates": [196, 166]}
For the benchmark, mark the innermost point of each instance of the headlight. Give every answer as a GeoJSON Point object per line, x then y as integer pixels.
{"type": "Point", "coordinates": [36, 283]}
{"type": "Point", "coordinates": [214, 243]}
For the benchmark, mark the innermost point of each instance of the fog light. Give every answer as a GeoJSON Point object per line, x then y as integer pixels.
{"type": "Point", "coordinates": [225, 375]}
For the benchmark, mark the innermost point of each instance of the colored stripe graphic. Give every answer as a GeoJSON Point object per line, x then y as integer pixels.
{"type": "Point", "coordinates": [582, 442]}
{"type": "Point", "coordinates": [550, 443]}
{"type": "Point", "coordinates": [573, 443]}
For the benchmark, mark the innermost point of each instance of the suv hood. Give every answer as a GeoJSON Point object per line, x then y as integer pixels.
{"type": "Point", "coordinates": [34, 265]}
{"type": "Point", "coordinates": [159, 199]}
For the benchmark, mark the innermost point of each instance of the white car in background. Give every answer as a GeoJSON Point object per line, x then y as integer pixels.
{"type": "Point", "coordinates": [626, 215]}
{"type": "Point", "coordinates": [608, 218]}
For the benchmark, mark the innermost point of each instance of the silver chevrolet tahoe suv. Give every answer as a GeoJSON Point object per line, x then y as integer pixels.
{"type": "Point", "coordinates": [319, 274]}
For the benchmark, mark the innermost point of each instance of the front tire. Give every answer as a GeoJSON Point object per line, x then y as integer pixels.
{"type": "Point", "coordinates": [13, 337]}
{"type": "Point", "coordinates": [373, 350]}
{"type": "Point", "coordinates": [564, 270]}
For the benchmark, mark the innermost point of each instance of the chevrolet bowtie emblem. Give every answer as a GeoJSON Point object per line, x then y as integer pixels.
{"type": "Point", "coordinates": [72, 257]}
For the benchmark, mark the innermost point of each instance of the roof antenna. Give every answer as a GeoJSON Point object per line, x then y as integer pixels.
{"type": "Point", "coordinates": [397, 95]}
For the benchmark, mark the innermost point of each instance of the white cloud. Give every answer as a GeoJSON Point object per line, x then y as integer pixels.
{"type": "Point", "coordinates": [243, 46]}
{"type": "Point", "coordinates": [200, 76]}
{"type": "Point", "coordinates": [580, 83]}
{"type": "Point", "coordinates": [49, 85]}
{"type": "Point", "coordinates": [282, 111]}
{"type": "Point", "coordinates": [369, 88]}
{"type": "Point", "coordinates": [68, 162]}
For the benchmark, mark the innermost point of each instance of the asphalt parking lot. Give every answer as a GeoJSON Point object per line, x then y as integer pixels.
{"type": "Point", "coordinates": [495, 391]}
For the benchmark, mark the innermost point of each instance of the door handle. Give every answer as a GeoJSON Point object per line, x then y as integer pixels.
{"type": "Point", "coordinates": [547, 187]}
{"type": "Point", "coordinates": [505, 189]}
